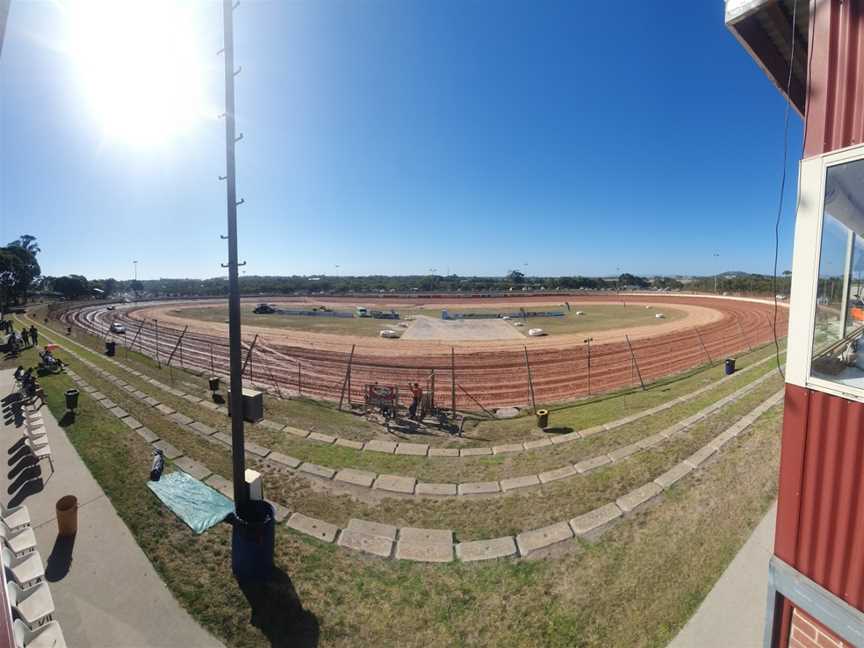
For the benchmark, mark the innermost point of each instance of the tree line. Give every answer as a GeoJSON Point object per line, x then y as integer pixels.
{"type": "Point", "coordinates": [77, 286]}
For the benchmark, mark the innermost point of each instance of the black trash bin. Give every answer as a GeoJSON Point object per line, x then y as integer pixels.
{"type": "Point", "coordinates": [71, 399]}
{"type": "Point", "coordinates": [252, 541]}
{"type": "Point", "coordinates": [542, 419]}
{"type": "Point", "coordinates": [730, 366]}
{"type": "Point", "coordinates": [214, 383]}
{"type": "Point", "coordinates": [110, 347]}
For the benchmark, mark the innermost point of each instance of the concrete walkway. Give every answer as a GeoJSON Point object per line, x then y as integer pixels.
{"type": "Point", "coordinates": [105, 590]}
{"type": "Point", "coordinates": [733, 613]}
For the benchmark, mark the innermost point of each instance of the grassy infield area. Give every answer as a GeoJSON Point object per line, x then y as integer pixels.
{"type": "Point", "coordinates": [597, 317]}
{"type": "Point", "coordinates": [636, 587]}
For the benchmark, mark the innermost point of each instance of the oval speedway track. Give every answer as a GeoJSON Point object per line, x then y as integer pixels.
{"type": "Point", "coordinates": [488, 375]}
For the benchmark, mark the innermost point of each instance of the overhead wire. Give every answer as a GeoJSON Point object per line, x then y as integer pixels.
{"type": "Point", "coordinates": [780, 201]}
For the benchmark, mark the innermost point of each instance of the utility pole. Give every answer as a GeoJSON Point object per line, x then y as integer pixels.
{"type": "Point", "coordinates": [716, 271]}
{"type": "Point", "coordinates": [241, 493]}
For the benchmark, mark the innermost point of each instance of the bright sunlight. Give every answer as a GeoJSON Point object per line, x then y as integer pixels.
{"type": "Point", "coordinates": [140, 64]}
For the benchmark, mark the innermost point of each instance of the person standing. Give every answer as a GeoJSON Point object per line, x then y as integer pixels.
{"type": "Point", "coordinates": [34, 334]}
{"type": "Point", "coordinates": [25, 337]}
{"type": "Point", "coordinates": [416, 396]}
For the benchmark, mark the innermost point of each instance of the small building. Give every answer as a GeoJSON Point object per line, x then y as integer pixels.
{"type": "Point", "coordinates": [812, 51]}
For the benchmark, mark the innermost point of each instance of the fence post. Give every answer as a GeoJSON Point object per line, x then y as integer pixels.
{"type": "Point", "coordinates": [272, 377]}
{"type": "Point", "coordinates": [741, 329]}
{"type": "Point", "coordinates": [635, 364]}
{"type": "Point", "coordinates": [530, 381]}
{"type": "Point", "coordinates": [708, 355]}
{"type": "Point", "coordinates": [299, 380]}
{"type": "Point", "coordinates": [156, 323]}
{"type": "Point", "coordinates": [453, 381]}
{"type": "Point", "coordinates": [347, 382]}
{"type": "Point", "coordinates": [432, 391]}
{"type": "Point", "coordinates": [588, 342]}
{"type": "Point", "coordinates": [181, 352]}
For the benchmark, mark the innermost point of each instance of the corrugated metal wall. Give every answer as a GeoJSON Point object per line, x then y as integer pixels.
{"type": "Point", "coordinates": [820, 512]}
{"type": "Point", "coordinates": [835, 97]}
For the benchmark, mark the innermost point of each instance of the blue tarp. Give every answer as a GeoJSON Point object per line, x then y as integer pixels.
{"type": "Point", "coordinates": [194, 502]}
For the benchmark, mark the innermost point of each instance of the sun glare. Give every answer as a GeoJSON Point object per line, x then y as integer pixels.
{"type": "Point", "coordinates": [139, 64]}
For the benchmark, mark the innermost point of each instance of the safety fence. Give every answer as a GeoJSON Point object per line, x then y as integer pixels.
{"type": "Point", "coordinates": [461, 379]}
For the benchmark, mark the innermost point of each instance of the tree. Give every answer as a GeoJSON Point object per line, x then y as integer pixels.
{"type": "Point", "coordinates": [25, 249]}
{"type": "Point", "coordinates": [71, 286]}
{"type": "Point", "coordinates": [516, 277]}
{"type": "Point", "coordinates": [27, 242]}
{"type": "Point", "coordinates": [628, 279]}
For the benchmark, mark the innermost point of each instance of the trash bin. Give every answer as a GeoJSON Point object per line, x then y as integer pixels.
{"type": "Point", "coordinates": [110, 347]}
{"type": "Point", "coordinates": [67, 515]}
{"type": "Point", "coordinates": [252, 540]}
{"type": "Point", "coordinates": [214, 383]}
{"type": "Point", "coordinates": [730, 366]}
{"type": "Point", "coordinates": [71, 399]}
{"type": "Point", "coordinates": [543, 419]}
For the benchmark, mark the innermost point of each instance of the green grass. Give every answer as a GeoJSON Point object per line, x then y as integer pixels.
{"type": "Point", "coordinates": [471, 518]}
{"type": "Point", "coordinates": [470, 469]}
{"type": "Point", "coordinates": [636, 588]}
{"type": "Point", "coordinates": [597, 317]}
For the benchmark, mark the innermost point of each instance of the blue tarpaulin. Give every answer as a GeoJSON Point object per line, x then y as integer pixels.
{"type": "Point", "coordinates": [194, 502]}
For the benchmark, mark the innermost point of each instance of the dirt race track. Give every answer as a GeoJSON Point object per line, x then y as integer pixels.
{"type": "Point", "coordinates": [491, 373]}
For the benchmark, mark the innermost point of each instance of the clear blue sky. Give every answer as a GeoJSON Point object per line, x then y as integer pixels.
{"type": "Point", "coordinates": [395, 136]}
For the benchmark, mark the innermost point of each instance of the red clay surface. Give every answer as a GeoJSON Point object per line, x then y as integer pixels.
{"type": "Point", "coordinates": [488, 373]}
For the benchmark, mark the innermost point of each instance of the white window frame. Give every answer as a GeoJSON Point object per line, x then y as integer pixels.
{"type": "Point", "coordinates": [805, 272]}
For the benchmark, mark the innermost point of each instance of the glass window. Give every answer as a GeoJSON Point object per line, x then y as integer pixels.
{"type": "Point", "coordinates": [838, 335]}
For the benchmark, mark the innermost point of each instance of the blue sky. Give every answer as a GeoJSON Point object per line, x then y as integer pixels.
{"type": "Point", "coordinates": [395, 136]}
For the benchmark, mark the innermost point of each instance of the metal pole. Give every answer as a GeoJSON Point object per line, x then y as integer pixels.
{"type": "Point", "coordinates": [530, 381]}
{"type": "Point", "coordinates": [588, 342]}
{"type": "Point", "coordinates": [741, 329]}
{"type": "Point", "coordinates": [635, 364]}
{"type": "Point", "coordinates": [346, 384]}
{"type": "Point", "coordinates": [241, 493]}
{"type": "Point", "coordinates": [702, 344]}
{"type": "Point", "coordinates": [299, 380]}
{"type": "Point", "coordinates": [158, 363]}
{"type": "Point", "coordinates": [453, 381]}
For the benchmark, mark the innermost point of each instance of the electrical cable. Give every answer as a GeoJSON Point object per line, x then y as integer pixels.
{"type": "Point", "coordinates": [783, 182]}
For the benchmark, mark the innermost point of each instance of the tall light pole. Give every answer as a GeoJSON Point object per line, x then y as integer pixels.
{"type": "Point", "coordinates": [241, 493]}
{"type": "Point", "coordinates": [716, 271]}
{"type": "Point", "coordinates": [135, 270]}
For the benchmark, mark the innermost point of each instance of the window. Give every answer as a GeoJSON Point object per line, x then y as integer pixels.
{"type": "Point", "coordinates": [838, 333]}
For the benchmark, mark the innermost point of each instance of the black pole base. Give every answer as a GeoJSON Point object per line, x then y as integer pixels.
{"type": "Point", "coordinates": [252, 542]}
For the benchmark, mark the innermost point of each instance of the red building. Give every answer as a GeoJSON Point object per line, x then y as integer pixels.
{"type": "Point", "coordinates": [813, 50]}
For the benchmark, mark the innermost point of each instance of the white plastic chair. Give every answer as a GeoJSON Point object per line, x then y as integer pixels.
{"type": "Point", "coordinates": [16, 516]}
{"type": "Point", "coordinates": [37, 437]}
{"type": "Point", "coordinates": [41, 451]}
{"type": "Point", "coordinates": [48, 635]}
{"type": "Point", "coordinates": [34, 604]}
{"type": "Point", "coordinates": [26, 570]}
{"type": "Point", "coordinates": [24, 541]}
